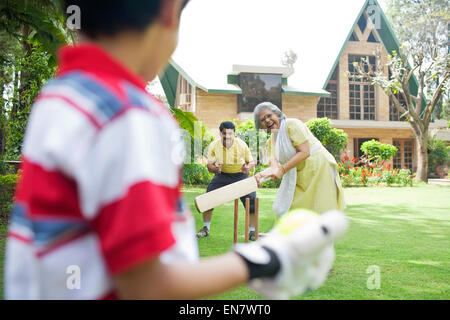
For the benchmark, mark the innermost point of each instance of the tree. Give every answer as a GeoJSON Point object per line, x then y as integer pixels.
{"type": "Point", "coordinates": [31, 32]}
{"type": "Point", "coordinates": [421, 26]}
{"type": "Point", "coordinates": [34, 22]}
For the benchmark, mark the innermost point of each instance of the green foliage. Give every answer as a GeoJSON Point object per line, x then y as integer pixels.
{"type": "Point", "coordinates": [438, 153]}
{"type": "Point", "coordinates": [7, 186]}
{"type": "Point", "coordinates": [197, 136]}
{"type": "Point", "coordinates": [378, 151]}
{"type": "Point", "coordinates": [334, 140]}
{"type": "Point", "coordinates": [31, 32]}
{"type": "Point", "coordinates": [196, 174]}
{"type": "Point", "coordinates": [34, 72]}
{"type": "Point", "coordinates": [256, 141]}
{"type": "Point", "coordinates": [185, 119]}
{"type": "Point", "coordinates": [36, 22]}
{"type": "Point", "coordinates": [320, 128]}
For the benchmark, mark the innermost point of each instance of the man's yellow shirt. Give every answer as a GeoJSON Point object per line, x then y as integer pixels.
{"type": "Point", "coordinates": [231, 159]}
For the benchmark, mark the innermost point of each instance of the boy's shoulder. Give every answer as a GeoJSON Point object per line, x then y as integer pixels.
{"type": "Point", "coordinates": [100, 98]}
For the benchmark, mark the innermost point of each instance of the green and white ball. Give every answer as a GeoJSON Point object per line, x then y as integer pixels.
{"type": "Point", "coordinates": [293, 220]}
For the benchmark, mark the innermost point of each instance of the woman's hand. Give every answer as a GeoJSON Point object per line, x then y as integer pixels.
{"type": "Point", "coordinates": [263, 175]}
{"type": "Point", "coordinates": [269, 174]}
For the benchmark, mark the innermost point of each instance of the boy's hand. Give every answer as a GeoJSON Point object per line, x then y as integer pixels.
{"type": "Point", "coordinates": [298, 252]}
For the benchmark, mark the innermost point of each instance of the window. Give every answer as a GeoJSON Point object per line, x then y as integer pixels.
{"type": "Point", "coordinates": [353, 74]}
{"type": "Point", "coordinates": [328, 107]}
{"type": "Point", "coordinates": [184, 95]}
{"type": "Point", "coordinates": [257, 88]}
{"type": "Point", "coordinates": [362, 23]}
{"type": "Point", "coordinates": [404, 155]}
{"type": "Point", "coordinates": [361, 91]}
{"type": "Point", "coordinates": [355, 102]}
{"type": "Point", "coordinates": [372, 38]}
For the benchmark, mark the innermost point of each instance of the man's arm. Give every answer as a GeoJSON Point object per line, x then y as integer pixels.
{"type": "Point", "coordinates": [248, 167]}
{"type": "Point", "coordinates": [249, 162]}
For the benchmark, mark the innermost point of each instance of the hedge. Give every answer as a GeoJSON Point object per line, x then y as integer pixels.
{"type": "Point", "coordinates": [7, 187]}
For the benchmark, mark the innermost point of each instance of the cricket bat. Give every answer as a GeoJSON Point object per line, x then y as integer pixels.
{"type": "Point", "coordinates": [222, 195]}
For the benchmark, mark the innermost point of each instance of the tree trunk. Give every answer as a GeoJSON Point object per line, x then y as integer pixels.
{"type": "Point", "coordinates": [422, 157]}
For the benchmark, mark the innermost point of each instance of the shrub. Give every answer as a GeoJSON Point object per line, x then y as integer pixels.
{"type": "Point", "coordinates": [37, 68]}
{"type": "Point", "coordinates": [334, 140]}
{"type": "Point", "coordinates": [377, 151]}
{"type": "Point", "coordinates": [438, 154]}
{"type": "Point", "coordinates": [7, 187]}
{"type": "Point", "coordinates": [196, 174]}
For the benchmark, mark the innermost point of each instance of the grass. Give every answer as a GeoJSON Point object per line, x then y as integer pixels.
{"type": "Point", "coordinates": [402, 231]}
{"type": "Point", "coordinates": [3, 229]}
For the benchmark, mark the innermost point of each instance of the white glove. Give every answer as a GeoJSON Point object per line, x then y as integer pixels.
{"type": "Point", "coordinates": [303, 244]}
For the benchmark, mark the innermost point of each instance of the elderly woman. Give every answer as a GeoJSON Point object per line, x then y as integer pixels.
{"type": "Point", "coordinates": [309, 171]}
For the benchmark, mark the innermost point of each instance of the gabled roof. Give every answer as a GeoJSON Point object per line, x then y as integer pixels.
{"type": "Point", "coordinates": [215, 35]}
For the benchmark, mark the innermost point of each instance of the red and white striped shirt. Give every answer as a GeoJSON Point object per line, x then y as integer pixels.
{"type": "Point", "coordinates": [100, 183]}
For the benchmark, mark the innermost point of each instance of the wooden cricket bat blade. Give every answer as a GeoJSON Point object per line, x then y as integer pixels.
{"type": "Point", "coordinates": [222, 195]}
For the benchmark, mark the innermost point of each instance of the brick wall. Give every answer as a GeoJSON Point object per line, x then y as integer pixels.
{"type": "Point", "coordinates": [300, 107]}
{"type": "Point", "coordinates": [213, 108]}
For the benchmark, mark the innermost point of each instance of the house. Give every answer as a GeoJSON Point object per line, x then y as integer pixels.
{"type": "Point", "coordinates": [229, 59]}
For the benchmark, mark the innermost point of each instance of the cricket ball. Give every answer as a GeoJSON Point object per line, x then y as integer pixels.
{"type": "Point", "coordinates": [293, 220]}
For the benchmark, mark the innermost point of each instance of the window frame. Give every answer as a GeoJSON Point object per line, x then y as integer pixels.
{"type": "Point", "coordinates": [324, 102]}
{"type": "Point", "coordinates": [357, 111]}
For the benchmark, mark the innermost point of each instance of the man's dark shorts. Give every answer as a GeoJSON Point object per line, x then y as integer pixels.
{"type": "Point", "coordinates": [224, 179]}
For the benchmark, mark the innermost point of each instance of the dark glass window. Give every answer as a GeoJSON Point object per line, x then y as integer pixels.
{"type": "Point", "coordinates": [361, 91]}
{"type": "Point", "coordinates": [372, 38]}
{"type": "Point", "coordinates": [328, 107]}
{"type": "Point", "coordinates": [362, 23]}
{"type": "Point", "coordinates": [257, 88]}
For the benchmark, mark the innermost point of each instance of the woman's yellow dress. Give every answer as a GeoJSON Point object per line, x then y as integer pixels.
{"type": "Point", "coordinates": [316, 188]}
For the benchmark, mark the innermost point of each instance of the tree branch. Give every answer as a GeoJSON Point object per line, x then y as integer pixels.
{"type": "Point", "coordinates": [436, 96]}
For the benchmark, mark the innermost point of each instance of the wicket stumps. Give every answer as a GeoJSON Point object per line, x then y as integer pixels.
{"type": "Point", "coordinates": [247, 218]}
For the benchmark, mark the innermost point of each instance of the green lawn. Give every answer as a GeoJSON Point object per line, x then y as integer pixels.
{"type": "Point", "coordinates": [402, 231]}
{"type": "Point", "coordinates": [2, 254]}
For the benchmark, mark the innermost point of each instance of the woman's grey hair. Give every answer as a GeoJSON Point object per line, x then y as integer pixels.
{"type": "Point", "coordinates": [266, 105]}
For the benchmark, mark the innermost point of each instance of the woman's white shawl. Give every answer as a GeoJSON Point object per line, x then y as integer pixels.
{"type": "Point", "coordinates": [284, 151]}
